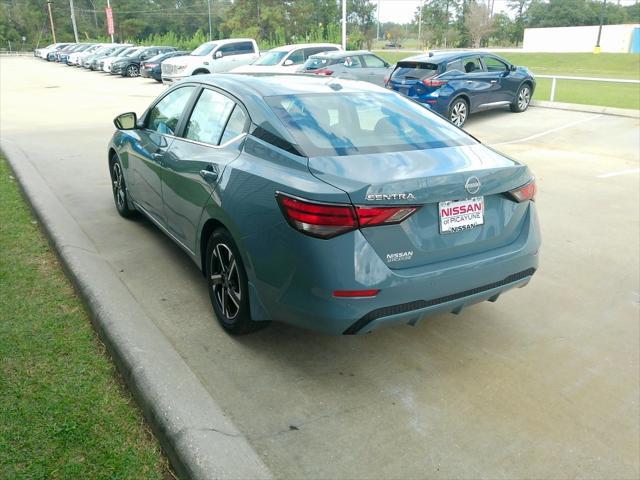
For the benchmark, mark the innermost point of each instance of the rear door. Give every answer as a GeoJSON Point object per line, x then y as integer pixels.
{"type": "Point", "coordinates": [211, 138]}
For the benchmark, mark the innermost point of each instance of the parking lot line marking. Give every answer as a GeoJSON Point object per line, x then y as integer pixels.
{"type": "Point", "coordinates": [552, 130]}
{"type": "Point", "coordinates": [628, 171]}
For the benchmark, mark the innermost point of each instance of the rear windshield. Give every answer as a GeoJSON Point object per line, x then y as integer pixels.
{"type": "Point", "coordinates": [314, 63]}
{"type": "Point", "coordinates": [414, 70]}
{"type": "Point", "coordinates": [325, 124]}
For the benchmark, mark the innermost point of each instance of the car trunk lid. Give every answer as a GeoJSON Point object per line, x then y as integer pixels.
{"type": "Point", "coordinates": [426, 178]}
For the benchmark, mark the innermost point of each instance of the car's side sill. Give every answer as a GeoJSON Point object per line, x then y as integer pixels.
{"type": "Point", "coordinates": [420, 304]}
{"type": "Point", "coordinates": [162, 227]}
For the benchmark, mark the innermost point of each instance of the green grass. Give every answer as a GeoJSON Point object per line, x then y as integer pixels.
{"type": "Point", "coordinates": [605, 65]}
{"type": "Point", "coordinates": [64, 414]}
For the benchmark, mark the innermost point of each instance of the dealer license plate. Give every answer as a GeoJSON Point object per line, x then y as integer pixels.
{"type": "Point", "coordinates": [458, 215]}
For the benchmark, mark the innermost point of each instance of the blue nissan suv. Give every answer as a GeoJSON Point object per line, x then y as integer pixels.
{"type": "Point", "coordinates": [456, 84]}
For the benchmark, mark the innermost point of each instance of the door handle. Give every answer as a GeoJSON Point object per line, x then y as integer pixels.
{"type": "Point", "coordinates": [157, 157]}
{"type": "Point", "coordinates": [209, 175]}
{"type": "Point", "coordinates": [494, 81]}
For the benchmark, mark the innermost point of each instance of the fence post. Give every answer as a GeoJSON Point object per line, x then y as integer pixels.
{"type": "Point", "coordinates": [553, 89]}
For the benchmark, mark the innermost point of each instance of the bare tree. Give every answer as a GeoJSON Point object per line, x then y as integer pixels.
{"type": "Point", "coordinates": [478, 23]}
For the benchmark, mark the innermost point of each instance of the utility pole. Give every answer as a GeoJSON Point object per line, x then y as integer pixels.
{"type": "Point", "coordinates": [344, 24]}
{"type": "Point", "coordinates": [378, 18]}
{"type": "Point", "coordinates": [597, 49]}
{"type": "Point", "coordinates": [73, 20]}
{"type": "Point", "coordinates": [209, 6]}
{"type": "Point", "coordinates": [420, 26]}
{"type": "Point", "coordinates": [53, 30]}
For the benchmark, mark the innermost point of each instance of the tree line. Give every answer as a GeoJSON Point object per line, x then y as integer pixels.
{"type": "Point", "coordinates": [185, 23]}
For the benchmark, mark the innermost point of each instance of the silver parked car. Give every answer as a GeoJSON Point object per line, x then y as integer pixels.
{"type": "Point", "coordinates": [354, 65]}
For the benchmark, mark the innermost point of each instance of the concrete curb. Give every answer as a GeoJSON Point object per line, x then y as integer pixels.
{"type": "Point", "coordinates": [576, 107]}
{"type": "Point", "coordinates": [199, 440]}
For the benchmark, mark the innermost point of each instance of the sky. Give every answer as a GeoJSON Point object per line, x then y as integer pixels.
{"type": "Point", "coordinates": [402, 11]}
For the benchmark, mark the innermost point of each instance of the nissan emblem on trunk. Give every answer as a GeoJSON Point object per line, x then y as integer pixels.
{"type": "Point", "coordinates": [472, 185]}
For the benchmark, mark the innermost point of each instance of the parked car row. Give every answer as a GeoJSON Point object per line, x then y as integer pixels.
{"type": "Point", "coordinates": [452, 83]}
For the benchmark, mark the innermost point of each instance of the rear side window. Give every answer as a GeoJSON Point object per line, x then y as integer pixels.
{"type": "Point", "coordinates": [414, 71]}
{"type": "Point", "coordinates": [209, 117]}
{"type": "Point", "coordinates": [239, 48]}
{"type": "Point", "coordinates": [456, 65]}
{"type": "Point", "coordinates": [235, 125]}
{"type": "Point", "coordinates": [472, 64]}
{"type": "Point", "coordinates": [352, 61]}
{"type": "Point", "coordinates": [165, 115]}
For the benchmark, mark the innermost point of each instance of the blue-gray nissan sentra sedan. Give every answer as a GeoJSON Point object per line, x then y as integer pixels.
{"type": "Point", "coordinates": [334, 205]}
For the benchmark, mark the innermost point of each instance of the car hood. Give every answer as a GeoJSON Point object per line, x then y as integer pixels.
{"type": "Point", "coordinates": [187, 60]}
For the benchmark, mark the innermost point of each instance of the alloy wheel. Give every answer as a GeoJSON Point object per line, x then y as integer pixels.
{"type": "Point", "coordinates": [459, 113]}
{"type": "Point", "coordinates": [524, 97]}
{"type": "Point", "coordinates": [132, 71]}
{"type": "Point", "coordinates": [118, 186]}
{"type": "Point", "coordinates": [225, 281]}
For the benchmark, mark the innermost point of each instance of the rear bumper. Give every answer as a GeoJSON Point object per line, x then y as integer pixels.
{"type": "Point", "coordinates": [406, 295]}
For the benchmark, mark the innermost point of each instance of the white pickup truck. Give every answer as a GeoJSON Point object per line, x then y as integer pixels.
{"type": "Point", "coordinates": [211, 57]}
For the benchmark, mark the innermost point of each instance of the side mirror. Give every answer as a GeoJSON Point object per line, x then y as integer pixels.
{"type": "Point", "coordinates": [513, 68]}
{"type": "Point", "coordinates": [218, 54]}
{"type": "Point", "coordinates": [126, 121]}
{"type": "Point", "coordinates": [287, 63]}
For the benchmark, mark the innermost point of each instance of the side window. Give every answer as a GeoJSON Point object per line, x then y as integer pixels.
{"type": "Point", "coordinates": [209, 117]}
{"type": "Point", "coordinates": [245, 48]}
{"type": "Point", "coordinates": [493, 64]}
{"type": "Point", "coordinates": [297, 56]}
{"type": "Point", "coordinates": [352, 62]}
{"type": "Point", "coordinates": [472, 64]}
{"type": "Point", "coordinates": [235, 125]}
{"type": "Point", "coordinates": [455, 65]}
{"type": "Point", "coordinates": [229, 49]}
{"type": "Point", "coordinates": [371, 61]}
{"type": "Point", "coordinates": [165, 115]}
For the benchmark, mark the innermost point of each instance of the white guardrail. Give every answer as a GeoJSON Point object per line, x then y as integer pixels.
{"type": "Point", "coordinates": [555, 78]}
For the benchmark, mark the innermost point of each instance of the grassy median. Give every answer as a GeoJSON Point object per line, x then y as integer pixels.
{"type": "Point", "coordinates": [64, 413]}
{"type": "Point", "coordinates": [604, 65]}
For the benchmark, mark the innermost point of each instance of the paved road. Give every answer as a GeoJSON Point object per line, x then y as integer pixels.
{"type": "Point", "coordinates": [544, 383]}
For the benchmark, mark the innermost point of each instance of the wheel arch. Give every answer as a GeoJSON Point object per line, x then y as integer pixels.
{"type": "Point", "coordinates": [462, 95]}
{"type": "Point", "coordinates": [200, 71]}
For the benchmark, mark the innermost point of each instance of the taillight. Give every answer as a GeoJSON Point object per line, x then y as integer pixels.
{"type": "Point", "coordinates": [323, 71]}
{"type": "Point", "coordinates": [327, 220]}
{"type": "Point", "coordinates": [150, 65]}
{"type": "Point", "coordinates": [525, 192]}
{"type": "Point", "coordinates": [427, 82]}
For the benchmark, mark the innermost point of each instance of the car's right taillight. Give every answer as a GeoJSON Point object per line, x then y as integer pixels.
{"type": "Point", "coordinates": [326, 220]}
{"type": "Point", "coordinates": [323, 71]}
{"type": "Point", "coordinates": [525, 192]}
{"type": "Point", "coordinates": [429, 82]}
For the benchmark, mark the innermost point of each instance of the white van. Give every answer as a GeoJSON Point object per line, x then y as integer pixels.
{"type": "Point", "coordinates": [211, 57]}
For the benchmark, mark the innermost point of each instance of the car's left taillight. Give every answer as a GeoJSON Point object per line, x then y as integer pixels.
{"type": "Point", "coordinates": [327, 220]}
{"type": "Point", "coordinates": [323, 71]}
{"type": "Point", "coordinates": [525, 192]}
{"type": "Point", "coordinates": [149, 65]}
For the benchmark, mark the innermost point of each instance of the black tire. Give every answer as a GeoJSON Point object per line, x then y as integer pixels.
{"type": "Point", "coordinates": [119, 188]}
{"type": "Point", "coordinates": [522, 100]}
{"type": "Point", "coordinates": [458, 112]}
{"type": "Point", "coordinates": [132, 71]}
{"type": "Point", "coordinates": [227, 285]}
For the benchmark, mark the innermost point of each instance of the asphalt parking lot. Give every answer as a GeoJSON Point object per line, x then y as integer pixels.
{"type": "Point", "coordinates": [545, 383]}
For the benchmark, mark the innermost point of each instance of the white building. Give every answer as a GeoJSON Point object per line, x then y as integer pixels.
{"type": "Point", "coordinates": [614, 38]}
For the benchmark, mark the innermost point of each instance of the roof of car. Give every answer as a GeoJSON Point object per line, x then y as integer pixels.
{"type": "Point", "coordinates": [438, 56]}
{"type": "Point", "coordinates": [272, 84]}
{"type": "Point", "coordinates": [340, 53]}
{"type": "Point", "coordinates": [229, 40]}
{"type": "Point", "coordinates": [288, 48]}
